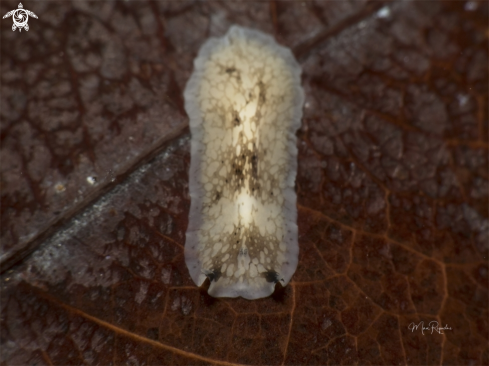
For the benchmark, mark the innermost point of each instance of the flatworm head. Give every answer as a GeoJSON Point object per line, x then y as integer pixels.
{"type": "Point", "coordinates": [244, 100]}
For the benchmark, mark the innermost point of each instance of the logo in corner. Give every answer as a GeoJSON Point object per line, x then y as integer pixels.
{"type": "Point", "coordinates": [20, 17]}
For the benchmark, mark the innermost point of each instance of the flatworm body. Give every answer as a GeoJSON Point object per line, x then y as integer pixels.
{"type": "Point", "coordinates": [244, 100]}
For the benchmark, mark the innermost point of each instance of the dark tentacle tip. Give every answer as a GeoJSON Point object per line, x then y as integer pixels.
{"type": "Point", "coordinates": [213, 275]}
{"type": "Point", "coordinates": [272, 276]}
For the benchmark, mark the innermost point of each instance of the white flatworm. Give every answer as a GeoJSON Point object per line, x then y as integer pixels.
{"type": "Point", "coordinates": [244, 100]}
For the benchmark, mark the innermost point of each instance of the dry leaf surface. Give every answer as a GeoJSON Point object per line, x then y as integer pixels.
{"type": "Point", "coordinates": [392, 187]}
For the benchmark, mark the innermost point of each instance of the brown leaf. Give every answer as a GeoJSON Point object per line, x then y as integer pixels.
{"type": "Point", "coordinates": [392, 187]}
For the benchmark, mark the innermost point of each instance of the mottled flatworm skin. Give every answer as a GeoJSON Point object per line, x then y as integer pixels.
{"type": "Point", "coordinates": [244, 100]}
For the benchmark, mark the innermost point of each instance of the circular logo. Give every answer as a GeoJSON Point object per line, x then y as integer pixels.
{"type": "Point", "coordinates": [20, 18]}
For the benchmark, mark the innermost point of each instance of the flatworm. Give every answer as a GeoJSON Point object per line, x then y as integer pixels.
{"type": "Point", "coordinates": [244, 100]}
